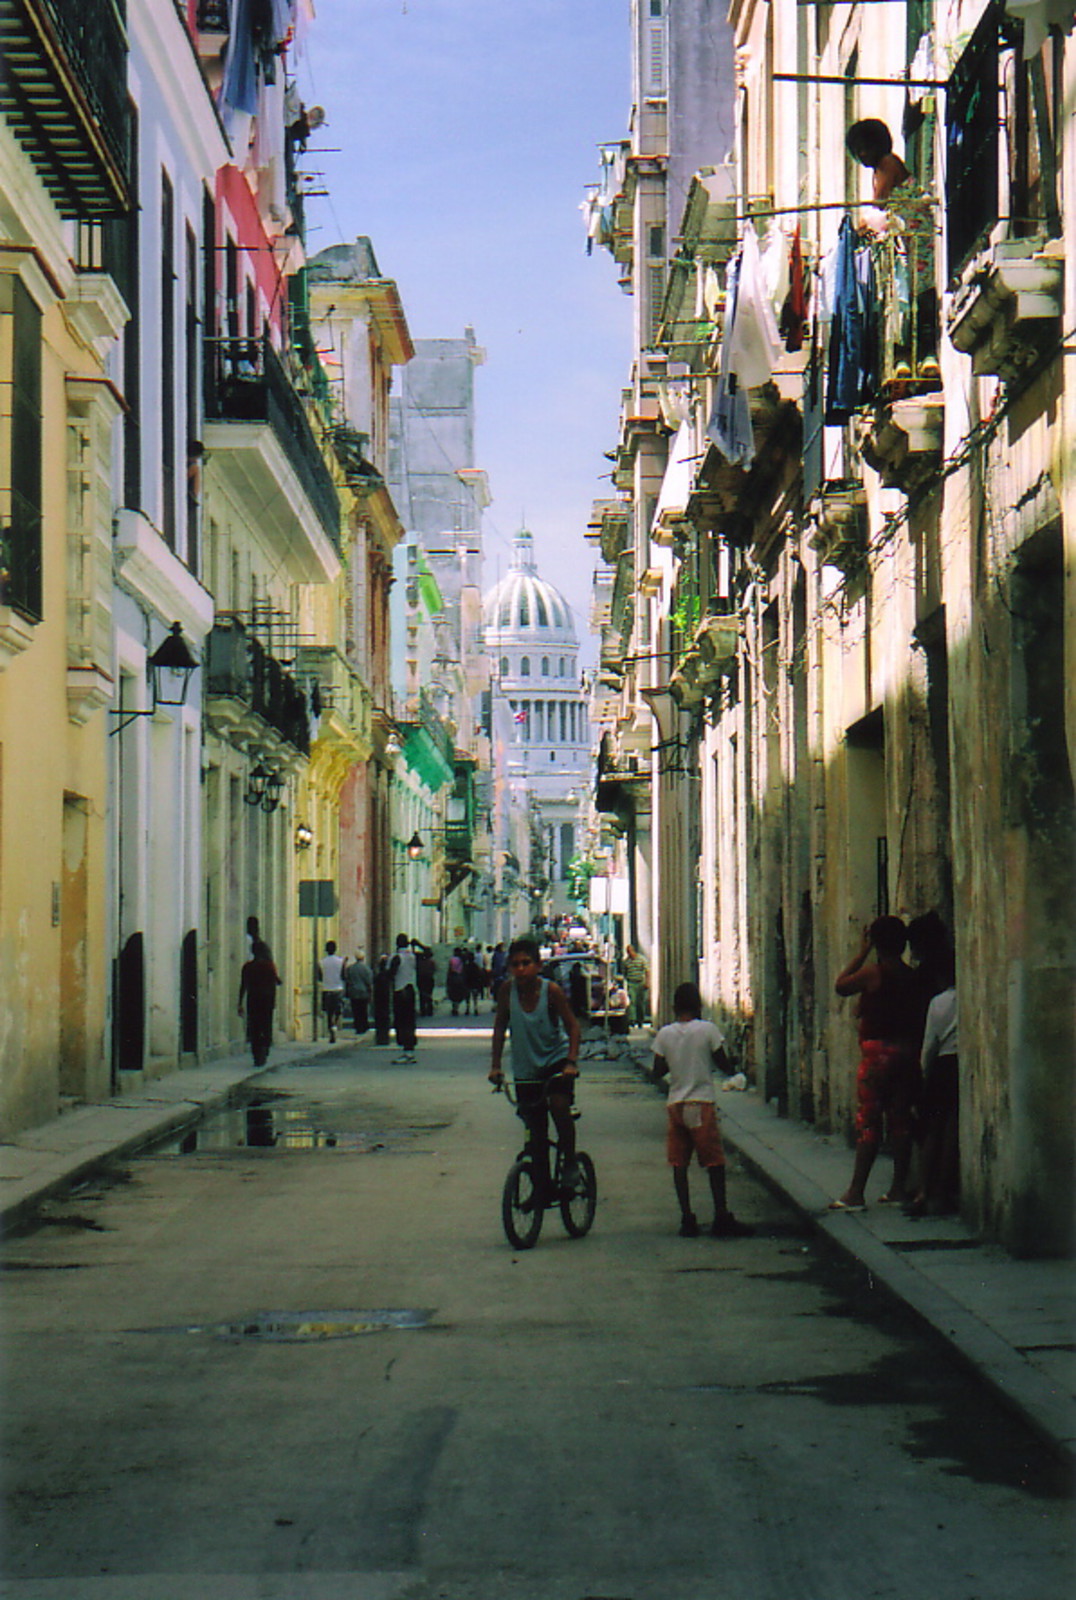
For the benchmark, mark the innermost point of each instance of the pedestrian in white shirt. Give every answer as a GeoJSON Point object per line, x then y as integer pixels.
{"type": "Point", "coordinates": [686, 1051]}
{"type": "Point", "coordinates": [939, 1107]}
{"type": "Point", "coordinates": [332, 987]}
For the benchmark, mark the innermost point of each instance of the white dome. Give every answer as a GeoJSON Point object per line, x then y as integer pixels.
{"type": "Point", "coordinates": [523, 608]}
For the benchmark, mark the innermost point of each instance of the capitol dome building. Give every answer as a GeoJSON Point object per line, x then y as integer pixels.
{"type": "Point", "coordinates": [539, 706]}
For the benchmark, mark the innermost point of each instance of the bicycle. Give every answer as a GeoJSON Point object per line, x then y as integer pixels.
{"type": "Point", "coordinates": [523, 1204]}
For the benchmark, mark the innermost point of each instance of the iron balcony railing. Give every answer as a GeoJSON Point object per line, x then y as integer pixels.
{"type": "Point", "coordinates": [63, 92]}
{"type": "Point", "coordinates": [239, 667]}
{"type": "Point", "coordinates": [248, 382]}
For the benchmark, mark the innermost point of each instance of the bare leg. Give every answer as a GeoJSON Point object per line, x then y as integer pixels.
{"type": "Point", "coordinates": [565, 1125]}
{"type": "Point", "coordinates": [865, 1157]}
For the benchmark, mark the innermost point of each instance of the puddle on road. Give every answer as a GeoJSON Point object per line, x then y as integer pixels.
{"type": "Point", "coordinates": [273, 1120]}
{"type": "Point", "coordinates": [299, 1327]}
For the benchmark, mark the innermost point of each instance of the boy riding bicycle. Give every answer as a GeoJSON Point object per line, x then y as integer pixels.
{"type": "Point", "coordinates": [545, 1051]}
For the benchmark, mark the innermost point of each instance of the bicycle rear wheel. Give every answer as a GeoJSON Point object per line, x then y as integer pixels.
{"type": "Point", "coordinates": [577, 1208]}
{"type": "Point", "coordinates": [521, 1206]}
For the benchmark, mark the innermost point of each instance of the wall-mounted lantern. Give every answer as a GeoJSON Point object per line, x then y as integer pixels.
{"type": "Point", "coordinates": [170, 667]}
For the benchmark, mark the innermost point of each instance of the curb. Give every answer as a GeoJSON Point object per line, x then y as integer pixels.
{"type": "Point", "coordinates": [1050, 1413]}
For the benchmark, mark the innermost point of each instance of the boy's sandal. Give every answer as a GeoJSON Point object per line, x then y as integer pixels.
{"type": "Point", "coordinates": [847, 1205]}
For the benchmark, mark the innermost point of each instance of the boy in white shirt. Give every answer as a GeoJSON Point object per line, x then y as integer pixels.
{"type": "Point", "coordinates": [687, 1050]}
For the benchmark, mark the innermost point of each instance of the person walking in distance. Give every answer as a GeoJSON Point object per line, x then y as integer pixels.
{"type": "Point", "coordinates": [686, 1052]}
{"type": "Point", "coordinates": [359, 984]}
{"type": "Point", "coordinates": [258, 984]}
{"type": "Point", "coordinates": [332, 987]}
{"type": "Point", "coordinates": [426, 976]}
{"type": "Point", "coordinates": [404, 1000]}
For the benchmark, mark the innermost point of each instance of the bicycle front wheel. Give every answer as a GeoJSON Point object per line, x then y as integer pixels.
{"type": "Point", "coordinates": [521, 1206]}
{"type": "Point", "coordinates": [577, 1207]}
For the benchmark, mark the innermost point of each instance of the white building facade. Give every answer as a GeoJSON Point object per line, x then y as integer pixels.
{"type": "Point", "coordinates": [541, 736]}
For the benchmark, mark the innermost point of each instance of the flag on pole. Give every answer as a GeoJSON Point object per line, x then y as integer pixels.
{"type": "Point", "coordinates": [521, 716]}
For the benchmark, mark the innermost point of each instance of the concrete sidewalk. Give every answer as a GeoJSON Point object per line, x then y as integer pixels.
{"type": "Point", "coordinates": [1013, 1321]}
{"type": "Point", "coordinates": [52, 1158]}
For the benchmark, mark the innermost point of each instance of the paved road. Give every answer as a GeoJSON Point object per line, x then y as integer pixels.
{"type": "Point", "coordinates": [632, 1416]}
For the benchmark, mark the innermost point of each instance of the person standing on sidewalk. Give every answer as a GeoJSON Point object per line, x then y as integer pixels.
{"type": "Point", "coordinates": [939, 1105]}
{"type": "Point", "coordinates": [687, 1051]}
{"type": "Point", "coordinates": [383, 1002]}
{"type": "Point", "coordinates": [637, 978]}
{"type": "Point", "coordinates": [332, 987]}
{"type": "Point", "coordinates": [889, 1020]}
{"type": "Point", "coordinates": [404, 1000]}
{"type": "Point", "coordinates": [359, 983]}
{"type": "Point", "coordinates": [258, 984]}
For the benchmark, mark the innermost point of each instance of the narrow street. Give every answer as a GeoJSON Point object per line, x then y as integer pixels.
{"type": "Point", "coordinates": [314, 1368]}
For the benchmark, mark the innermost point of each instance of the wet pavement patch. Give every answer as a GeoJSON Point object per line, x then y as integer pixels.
{"type": "Point", "coordinates": [303, 1327]}
{"type": "Point", "coordinates": [274, 1120]}
{"type": "Point", "coordinates": [42, 1266]}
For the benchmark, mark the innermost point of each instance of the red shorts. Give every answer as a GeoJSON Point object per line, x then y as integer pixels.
{"type": "Point", "coordinates": [885, 1092]}
{"type": "Point", "coordinates": [693, 1126]}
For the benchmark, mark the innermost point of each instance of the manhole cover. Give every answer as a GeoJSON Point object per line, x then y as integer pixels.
{"type": "Point", "coordinates": [294, 1327]}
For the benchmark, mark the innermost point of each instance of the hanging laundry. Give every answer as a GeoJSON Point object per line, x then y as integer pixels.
{"type": "Point", "coordinates": [239, 86]}
{"type": "Point", "coordinates": [776, 267]}
{"type": "Point", "coordinates": [749, 350]}
{"type": "Point", "coordinates": [794, 311]}
{"type": "Point", "coordinates": [853, 340]}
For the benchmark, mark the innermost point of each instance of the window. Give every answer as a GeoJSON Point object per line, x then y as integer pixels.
{"type": "Point", "coordinates": [655, 69]}
{"type": "Point", "coordinates": [504, 666]}
{"type": "Point", "coordinates": [525, 667]}
{"type": "Point", "coordinates": [971, 143]}
{"type": "Point", "coordinates": [20, 541]}
{"type": "Point", "coordinates": [168, 363]}
{"type": "Point", "coordinates": [545, 666]}
{"type": "Point", "coordinates": [543, 615]}
{"type": "Point", "coordinates": [524, 609]}
{"type": "Point", "coordinates": [192, 354]}
{"type": "Point", "coordinates": [1035, 91]}
{"type": "Point", "coordinates": [132, 344]}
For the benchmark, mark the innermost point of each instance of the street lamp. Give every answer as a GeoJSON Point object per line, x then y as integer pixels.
{"type": "Point", "coordinates": [264, 788]}
{"type": "Point", "coordinates": [171, 667]}
{"type": "Point", "coordinates": [304, 836]}
{"type": "Point", "coordinates": [415, 845]}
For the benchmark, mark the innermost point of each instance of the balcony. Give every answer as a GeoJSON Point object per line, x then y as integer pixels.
{"type": "Point", "coordinates": [244, 682]}
{"type": "Point", "coordinates": [259, 436]}
{"type": "Point", "coordinates": [1006, 315]}
{"type": "Point", "coordinates": [63, 92]}
{"type": "Point", "coordinates": [839, 513]}
{"type": "Point", "coordinates": [717, 640]}
{"type": "Point", "coordinates": [903, 442]}
{"type": "Point", "coordinates": [343, 701]}
{"type": "Point", "coordinates": [610, 527]}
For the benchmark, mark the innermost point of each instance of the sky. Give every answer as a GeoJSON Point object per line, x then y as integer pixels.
{"type": "Point", "coordinates": [467, 131]}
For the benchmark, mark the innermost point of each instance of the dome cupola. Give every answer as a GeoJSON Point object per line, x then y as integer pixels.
{"type": "Point", "coordinates": [522, 608]}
